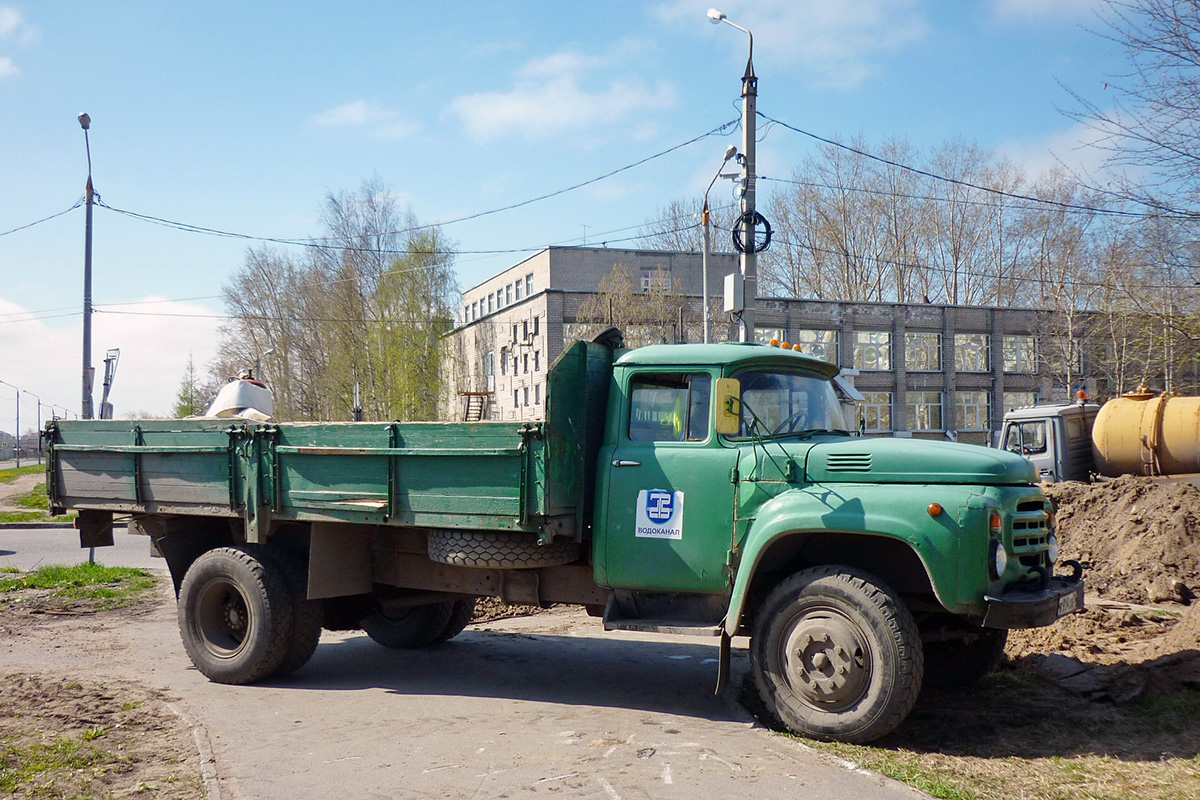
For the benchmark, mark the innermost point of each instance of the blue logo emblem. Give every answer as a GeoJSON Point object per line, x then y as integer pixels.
{"type": "Point", "coordinates": [660, 505]}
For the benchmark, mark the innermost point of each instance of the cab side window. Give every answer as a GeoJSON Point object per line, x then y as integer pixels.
{"type": "Point", "coordinates": [669, 407]}
{"type": "Point", "coordinates": [1027, 438]}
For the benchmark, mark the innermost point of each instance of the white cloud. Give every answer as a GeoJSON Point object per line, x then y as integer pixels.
{"type": "Point", "coordinates": [552, 96]}
{"type": "Point", "coordinates": [1041, 10]}
{"type": "Point", "coordinates": [1070, 148]}
{"type": "Point", "coordinates": [10, 20]}
{"type": "Point", "coordinates": [837, 44]}
{"type": "Point", "coordinates": [7, 68]}
{"type": "Point", "coordinates": [383, 123]}
{"type": "Point", "coordinates": [155, 338]}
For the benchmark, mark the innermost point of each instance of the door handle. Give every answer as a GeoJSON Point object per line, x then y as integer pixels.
{"type": "Point", "coordinates": [622, 463]}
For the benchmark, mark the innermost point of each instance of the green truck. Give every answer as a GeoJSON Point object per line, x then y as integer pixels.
{"type": "Point", "coordinates": [680, 489]}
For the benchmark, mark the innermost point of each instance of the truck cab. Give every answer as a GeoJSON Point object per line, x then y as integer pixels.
{"type": "Point", "coordinates": [1057, 439]}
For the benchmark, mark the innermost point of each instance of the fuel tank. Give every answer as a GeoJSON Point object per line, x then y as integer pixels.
{"type": "Point", "coordinates": [1147, 433]}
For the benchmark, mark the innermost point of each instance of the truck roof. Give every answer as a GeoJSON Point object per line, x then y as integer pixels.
{"type": "Point", "coordinates": [724, 353]}
{"type": "Point", "coordinates": [1053, 410]}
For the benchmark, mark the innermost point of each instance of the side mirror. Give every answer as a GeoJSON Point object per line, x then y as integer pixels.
{"type": "Point", "coordinates": [728, 416]}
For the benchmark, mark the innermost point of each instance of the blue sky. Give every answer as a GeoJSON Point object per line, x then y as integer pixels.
{"type": "Point", "coordinates": [242, 116]}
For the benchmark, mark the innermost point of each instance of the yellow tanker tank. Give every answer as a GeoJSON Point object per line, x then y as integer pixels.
{"type": "Point", "coordinates": [1143, 433]}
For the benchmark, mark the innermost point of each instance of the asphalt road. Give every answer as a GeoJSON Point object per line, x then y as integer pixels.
{"type": "Point", "coordinates": [33, 547]}
{"type": "Point", "coordinates": [548, 705]}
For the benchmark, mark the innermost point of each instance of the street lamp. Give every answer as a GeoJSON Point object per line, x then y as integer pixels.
{"type": "Point", "coordinates": [89, 195]}
{"type": "Point", "coordinates": [730, 153]}
{"type": "Point", "coordinates": [749, 256]}
{"type": "Point", "coordinates": [258, 362]}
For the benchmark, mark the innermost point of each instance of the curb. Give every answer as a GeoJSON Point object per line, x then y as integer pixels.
{"type": "Point", "coordinates": [208, 762]}
{"type": "Point", "coordinates": [35, 524]}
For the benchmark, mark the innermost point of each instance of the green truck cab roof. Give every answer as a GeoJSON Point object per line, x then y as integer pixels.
{"type": "Point", "coordinates": [726, 354]}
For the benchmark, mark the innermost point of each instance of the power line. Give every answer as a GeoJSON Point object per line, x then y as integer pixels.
{"type": "Point", "coordinates": [328, 242]}
{"type": "Point", "coordinates": [1157, 211]}
{"type": "Point", "coordinates": [78, 203]}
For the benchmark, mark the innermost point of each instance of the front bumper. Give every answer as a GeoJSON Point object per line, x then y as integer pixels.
{"type": "Point", "coordinates": [1037, 606]}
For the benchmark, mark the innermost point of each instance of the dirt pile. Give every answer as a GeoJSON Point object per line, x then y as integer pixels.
{"type": "Point", "coordinates": [1139, 538]}
{"type": "Point", "coordinates": [1140, 542]}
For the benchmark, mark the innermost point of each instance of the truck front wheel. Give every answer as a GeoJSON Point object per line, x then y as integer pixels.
{"type": "Point", "coordinates": [235, 615]}
{"type": "Point", "coordinates": [836, 655]}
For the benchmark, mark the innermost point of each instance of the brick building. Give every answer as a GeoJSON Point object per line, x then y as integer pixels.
{"type": "Point", "coordinates": [925, 370]}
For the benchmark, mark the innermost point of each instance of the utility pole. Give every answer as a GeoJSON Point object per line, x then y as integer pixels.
{"type": "Point", "coordinates": [89, 196]}
{"type": "Point", "coordinates": [749, 250]}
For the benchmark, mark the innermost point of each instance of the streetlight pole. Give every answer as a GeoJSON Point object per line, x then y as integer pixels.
{"type": "Point", "coordinates": [749, 258]}
{"type": "Point", "coordinates": [85, 122]}
{"type": "Point", "coordinates": [730, 153]}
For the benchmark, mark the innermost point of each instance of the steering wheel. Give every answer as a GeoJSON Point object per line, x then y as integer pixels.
{"type": "Point", "coordinates": [796, 421]}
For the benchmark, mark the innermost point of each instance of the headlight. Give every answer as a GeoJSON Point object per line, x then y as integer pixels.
{"type": "Point", "coordinates": [1052, 549]}
{"type": "Point", "coordinates": [999, 559]}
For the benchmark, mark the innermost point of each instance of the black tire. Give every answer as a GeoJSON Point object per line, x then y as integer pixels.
{"type": "Point", "coordinates": [460, 617]}
{"type": "Point", "coordinates": [409, 628]}
{"type": "Point", "coordinates": [307, 615]}
{"type": "Point", "coordinates": [499, 550]}
{"type": "Point", "coordinates": [960, 663]}
{"type": "Point", "coordinates": [235, 614]}
{"type": "Point", "coordinates": [836, 655]}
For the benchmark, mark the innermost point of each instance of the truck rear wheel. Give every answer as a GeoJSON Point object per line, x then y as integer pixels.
{"type": "Point", "coordinates": [235, 615]}
{"type": "Point", "coordinates": [836, 655]}
{"type": "Point", "coordinates": [409, 628]}
{"type": "Point", "coordinates": [499, 550]}
{"type": "Point", "coordinates": [307, 615]}
{"type": "Point", "coordinates": [460, 617]}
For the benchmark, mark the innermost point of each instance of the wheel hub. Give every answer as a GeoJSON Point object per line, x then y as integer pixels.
{"type": "Point", "coordinates": [828, 661]}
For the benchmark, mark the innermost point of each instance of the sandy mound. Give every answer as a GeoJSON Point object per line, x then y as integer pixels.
{"type": "Point", "coordinates": [1139, 538]}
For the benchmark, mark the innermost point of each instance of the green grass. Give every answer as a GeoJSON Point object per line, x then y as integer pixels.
{"type": "Point", "coordinates": [111, 587]}
{"type": "Point", "coordinates": [21, 765]}
{"type": "Point", "coordinates": [9, 475]}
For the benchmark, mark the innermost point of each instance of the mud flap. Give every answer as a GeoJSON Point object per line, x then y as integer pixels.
{"type": "Point", "coordinates": [723, 663]}
{"type": "Point", "coordinates": [95, 528]}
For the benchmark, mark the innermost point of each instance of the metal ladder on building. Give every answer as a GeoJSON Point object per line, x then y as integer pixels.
{"type": "Point", "coordinates": [476, 405]}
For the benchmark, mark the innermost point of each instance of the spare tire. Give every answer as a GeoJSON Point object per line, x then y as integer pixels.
{"type": "Point", "coordinates": [499, 550]}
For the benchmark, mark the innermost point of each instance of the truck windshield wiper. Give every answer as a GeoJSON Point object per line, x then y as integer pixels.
{"type": "Point", "coordinates": [806, 433]}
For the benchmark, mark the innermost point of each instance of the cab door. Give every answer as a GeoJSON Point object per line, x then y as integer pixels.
{"type": "Point", "coordinates": [669, 498]}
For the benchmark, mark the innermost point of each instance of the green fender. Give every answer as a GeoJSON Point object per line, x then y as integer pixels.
{"type": "Point", "coordinates": [898, 512]}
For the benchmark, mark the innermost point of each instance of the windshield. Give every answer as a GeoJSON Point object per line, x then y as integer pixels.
{"type": "Point", "coordinates": [787, 402]}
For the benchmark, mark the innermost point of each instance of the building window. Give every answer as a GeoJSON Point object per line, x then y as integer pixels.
{"type": "Point", "coordinates": [526, 395]}
{"type": "Point", "coordinates": [535, 326]}
{"type": "Point", "coordinates": [1020, 354]}
{"type": "Point", "coordinates": [525, 360]}
{"type": "Point", "coordinates": [503, 360]}
{"type": "Point", "coordinates": [499, 298]}
{"type": "Point", "coordinates": [537, 394]}
{"type": "Point", "coordinates": [765, 335]}
{"type": "Point", "coordinates": [972, 352]}
{"type": "Point", "coordinates": [517, 290]}
{"type": "Point", "coordinates": [514, 336]}
{"type": "Point", "coordinates": [516, 397]}
{"type": "Point", "coordinates": [491, 301]}
{"type": "Point", "coordinates": [971, 411]}
{"type": "Point", "coordinates": [1019, 400]}
{"type": "Point", "coordinates": [516, 363]}
{"type": "Point", "coordinates": [535, 360]}
{"type": "Point", "coordinates": [877, 411]}
{"type": "Point", "coordinates": [529, 285]}
{"type": "Point", "coordinates": [466, 313]}
{"type": "Point", "coordinates": [475, 310]}
{"type": "Point", "coordinates": [819, 344]}
{"type": "Point", "coordinates": [525, 330]}
{"type": "Point", "coordinates": [872, 350]}
{"type": "Point", "coordinates": [923, 352]}
{"type": "Point", "coordinates": [924, 410]}
{"type": "Point", "coordinates": [508, 295]}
